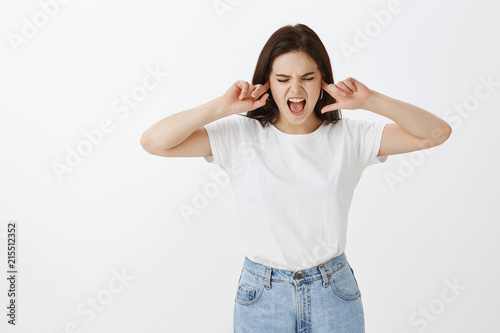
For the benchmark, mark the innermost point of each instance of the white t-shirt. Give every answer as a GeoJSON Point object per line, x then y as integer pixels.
{"type": "Point", "coordinates": [293, 191]}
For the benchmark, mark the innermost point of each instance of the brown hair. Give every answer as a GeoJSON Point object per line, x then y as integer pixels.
{"type": "Point", "coordinates": [296, 38]}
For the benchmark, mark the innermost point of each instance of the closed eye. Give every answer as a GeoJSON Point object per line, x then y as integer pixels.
{"type": "Point", "coordinates": [287, 80]}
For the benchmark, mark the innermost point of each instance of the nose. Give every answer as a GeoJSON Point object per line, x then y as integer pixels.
{"type": "Point", "coordinates": [295, 85]}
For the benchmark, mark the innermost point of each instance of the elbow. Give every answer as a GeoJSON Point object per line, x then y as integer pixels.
{"type": "Point", "coordinates": [146, 142]}
{"type": "Point", "coordinates": [441, 134]}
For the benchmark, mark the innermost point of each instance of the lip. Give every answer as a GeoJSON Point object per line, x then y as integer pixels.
{"type": "Point", "coordinates": [303, 111]}
{"type": "Point", "coordinates": [288, 99]}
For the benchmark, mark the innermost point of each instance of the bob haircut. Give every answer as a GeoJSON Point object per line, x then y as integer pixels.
{"type": "Point", "coordinates": [296, 38]}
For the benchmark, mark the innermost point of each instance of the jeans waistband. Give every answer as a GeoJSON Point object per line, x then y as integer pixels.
{"type": "Point", "coordinates": [273, 274]}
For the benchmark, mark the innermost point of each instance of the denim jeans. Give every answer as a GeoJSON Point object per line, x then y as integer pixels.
{"type": "Point", "coordinates": [325, 298]}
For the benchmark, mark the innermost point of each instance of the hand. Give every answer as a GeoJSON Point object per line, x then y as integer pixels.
{"type": "Point", "coordinates": [349, 94]}
{"type": "Point", "coordinates": [241, 97]}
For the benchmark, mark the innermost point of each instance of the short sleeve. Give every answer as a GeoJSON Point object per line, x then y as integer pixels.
{"type": "Point", "coordinates": [223, 135]}
{"type": "Point", "coordinates": [367, 137]}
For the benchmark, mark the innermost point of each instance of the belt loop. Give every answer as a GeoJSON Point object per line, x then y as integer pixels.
{"type": "Point", "coordinates": [323, 274]}
{"type": "Point", "coordinates": [267, 279]}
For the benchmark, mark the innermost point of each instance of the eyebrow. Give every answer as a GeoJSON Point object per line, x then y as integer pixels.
{"type": "Point", "coordinates": [306, 74]}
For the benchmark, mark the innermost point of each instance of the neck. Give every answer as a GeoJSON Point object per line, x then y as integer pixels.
{"type": "Point", "coordinates": [309, 126]}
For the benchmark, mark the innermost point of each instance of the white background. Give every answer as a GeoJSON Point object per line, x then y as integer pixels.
{"type": "Point", "coordinates": [118, 210]}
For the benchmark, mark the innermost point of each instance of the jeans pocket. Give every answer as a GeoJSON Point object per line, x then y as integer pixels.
{"type": "Point", "coordinates": [344, 284]}
{"type": "Point", "coordinates": [250, 288]}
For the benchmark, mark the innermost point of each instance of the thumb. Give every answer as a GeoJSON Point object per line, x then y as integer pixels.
{"type": "Point", "coordinates": [261, 102]}
{"type": "Point", "coordinates": [332, 107]}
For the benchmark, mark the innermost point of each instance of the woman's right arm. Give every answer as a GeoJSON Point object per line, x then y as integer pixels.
{"type": "Point", "coordinates": [169, 136]}
{"type": "Point", "coordinates": [183, 134]}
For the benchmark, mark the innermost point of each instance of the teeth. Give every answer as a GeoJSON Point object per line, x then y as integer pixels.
{"type": "Point", "coordinates": [296, 100]}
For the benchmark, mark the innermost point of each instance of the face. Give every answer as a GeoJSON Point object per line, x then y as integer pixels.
{"type": "Point", "coordinates": [295, 74]}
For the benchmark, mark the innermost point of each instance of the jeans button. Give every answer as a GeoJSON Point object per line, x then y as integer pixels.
{"type": "Point", "coordinates": [300, 276]}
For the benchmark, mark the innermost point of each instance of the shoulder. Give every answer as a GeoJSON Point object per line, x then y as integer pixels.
{"type": "Point", "coordinates": [361, 130]}
{"type": "Point", "coordinates": [358, 125]}
{"type": "Point", "coordinates": [245, 122]}
{"type": "Point", "coordinates": [235, 125]}
{"type": "Point", "coordinates": [347, 128]}
{"type": "Point", "coordinates": [237, 119]}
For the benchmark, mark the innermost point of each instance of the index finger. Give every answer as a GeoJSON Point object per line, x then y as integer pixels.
{"type": "Point", "coordinates": [324, 85]}
{"type": "Point", "coordinates": [333, 89]}
{"type": "Point", "coordinates": [261, 89]}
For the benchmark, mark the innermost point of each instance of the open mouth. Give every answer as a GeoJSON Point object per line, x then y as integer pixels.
{"type": "Point", "coordinates": [296, 105]}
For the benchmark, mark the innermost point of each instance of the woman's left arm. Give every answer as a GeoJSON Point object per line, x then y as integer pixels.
{"type": "Point", "coordinates": [413, 129]}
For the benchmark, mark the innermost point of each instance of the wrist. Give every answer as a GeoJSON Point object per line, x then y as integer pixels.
{"type": "Point", "coordinates": [219, 107]}
{"type": "Point", "coordinates": [371, 101]}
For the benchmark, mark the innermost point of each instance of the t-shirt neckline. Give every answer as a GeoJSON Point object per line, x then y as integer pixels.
{"type": "Point", "coordinates": [298, 136]}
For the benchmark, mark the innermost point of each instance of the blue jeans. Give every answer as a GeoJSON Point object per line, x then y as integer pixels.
{"type": "Point", "coordinates": [325, 298]}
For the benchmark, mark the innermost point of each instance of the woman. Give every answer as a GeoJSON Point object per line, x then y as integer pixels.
{"type": "Point", "coordinates": [294, 163]}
